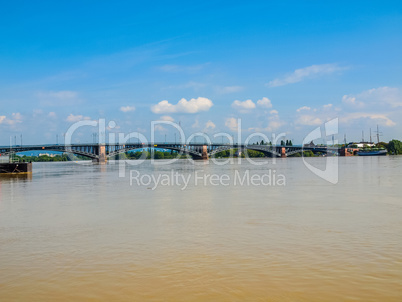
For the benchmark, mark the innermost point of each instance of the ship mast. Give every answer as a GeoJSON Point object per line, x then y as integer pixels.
{"type": "Point", "coordinates": [378, 135]}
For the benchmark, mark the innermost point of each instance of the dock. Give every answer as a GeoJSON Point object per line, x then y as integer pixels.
{"type": "Point", "coordinates": [15, 168]}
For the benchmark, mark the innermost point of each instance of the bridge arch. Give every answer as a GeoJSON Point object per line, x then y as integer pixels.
{"type": "Point", "coordinates": [195, 151]}
{"type": "Point", "coordinates": [64, 149]}
{"type": "Point", "coordinates": [267, 150]}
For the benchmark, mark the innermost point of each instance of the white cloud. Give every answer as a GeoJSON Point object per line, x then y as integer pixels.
{"type": "Point", "coordinates": [273, 112]}
{"type": "Point", "coordinates": [351, 100]}
{"type": "Point", "coordinates": [76, 118]}
{"type": "Point", "coordinates": [274, 123]}
{"type": "Point", "coordinates": [15, 119]}
{"type": "Point", "coordinates": [248, 105]}
{"type": "Point", "coordinates": [304, 73]}
{"type": "Point", "coordinates": [376, 96]}
{"type": "Point", "coordinates": [209, 126]}
{"type": "Point", "coordinates": [17, 116]}
{"type": "Point", "coordinates": [183, 106]}
{"type": "Point", "coordinates": [166, 118]}
{"type": "Point", "coordinates": [127, 108]}
{"type": "Point", "coordinates": [264, 102]}
{"type": "Point", "coordinates": [231, 123]}
{"type": "Point", "coordinates": [308, 120]}
{"type": "Point", "coordinates": [52, 115]}
{"type": "Point", "coordinates": [379, 118]}
{"type": "Point", "coordinates": [243, 106]}
{"type": "Point", "coordinates": [306, 108]}
{"type": "Point", "coordinates": [327, 106]}
{"type": "Point", "coordinates": [160, 128]}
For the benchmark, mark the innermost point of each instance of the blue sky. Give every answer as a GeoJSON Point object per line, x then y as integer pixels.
{"type": "Point", "coordinates": [279, 66]}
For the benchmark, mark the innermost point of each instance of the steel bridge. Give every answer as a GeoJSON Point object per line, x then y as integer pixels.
{"type": "Point", "coordinates": [101, 152]}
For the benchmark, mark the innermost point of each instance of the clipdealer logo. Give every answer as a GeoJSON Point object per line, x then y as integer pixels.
{"type": "Point", "coordinates": [108, 136]}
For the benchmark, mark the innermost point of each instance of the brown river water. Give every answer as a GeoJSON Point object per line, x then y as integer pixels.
{"type": "Point", "coordinates": [73, 232]}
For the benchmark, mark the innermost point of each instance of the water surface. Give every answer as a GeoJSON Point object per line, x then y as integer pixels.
{"type": "Point", "coordinates": [75, 232]}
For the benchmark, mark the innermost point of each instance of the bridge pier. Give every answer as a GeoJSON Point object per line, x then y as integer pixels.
{"type": "Point", "coordinates": [101, 155]}
{"type": "Point", "coordinates": [205, 152]}
{"type": "Point", "coordinates": [283, 152]}
{"type": "Point", "coordinates": [239, 152]}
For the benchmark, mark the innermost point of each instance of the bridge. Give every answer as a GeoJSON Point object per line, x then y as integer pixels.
{"type": "Point", "coordinates": [101, 152]}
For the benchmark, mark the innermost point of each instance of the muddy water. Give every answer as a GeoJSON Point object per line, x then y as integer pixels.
{"type": "Point", "coordinates": [74, 232]}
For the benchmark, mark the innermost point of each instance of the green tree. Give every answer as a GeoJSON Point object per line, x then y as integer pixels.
{"type": "Point", "coordinates": [382, 145]}
{"type": "Point", "coordinates": [395, 147]}
{"type": "Point", "coordinates": [159, 155]}
{"type": "Point", "coordinates": [308, 153]}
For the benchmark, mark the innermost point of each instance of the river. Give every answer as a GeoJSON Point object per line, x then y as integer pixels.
{"type": "Point", "coordinates": [74, 232]}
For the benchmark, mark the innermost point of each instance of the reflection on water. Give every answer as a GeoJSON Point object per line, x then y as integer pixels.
{"type": "Point", "coordinates": [10, 177]}
{"type": "Point", "coordinates": [79, 232]}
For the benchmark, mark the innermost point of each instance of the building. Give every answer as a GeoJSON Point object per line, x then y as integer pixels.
{"type": "Point", "coordinates": [47, 154]}
{"type": "Point", "coordinates": [361, 144]}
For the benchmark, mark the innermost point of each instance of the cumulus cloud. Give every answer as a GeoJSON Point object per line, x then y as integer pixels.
{"type": "Point", "coordinates": [308, 120]}
{"type": "Point", "coordinates": [243, 106]}
{"type": "Point", "coordinates": [166, 118]}
{"type": "Point", "coordinates": [274, 123]}
{"type": "Point", "coordinates": [376, 96]}
{"type": "Point", "coordinates": [351, 100]}
{"type": "Point", "coordinates": [209, 126]}
{"type": "Point", "coordinates": [248, 105]}
{"type": "Point", "coordinates": [160, 128]}
{"type": "Point", "coordinates": [231, 123]}
{"type": "Point", "coordinates": [15, 119]}
{"type": "Point", "coordinates": [379, 118]}
{"type": "Point", "coordinates": [127, 108]}
{"type": "Point", "coordinates": [264, 102]}
{"type": "Point", "coordinates": [16, 116]}
{"type": "Point", "coordinates": [183, 106]}
{"type": "Point", "coordinates": [304, 73]}
{"type": "Point", "coordinates": [306, 108]}
{"type": "Point", "coordinates": [76, 118]}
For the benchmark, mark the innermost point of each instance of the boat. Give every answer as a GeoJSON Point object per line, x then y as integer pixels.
{"type": "Point", "coordinates": [372, 152]}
